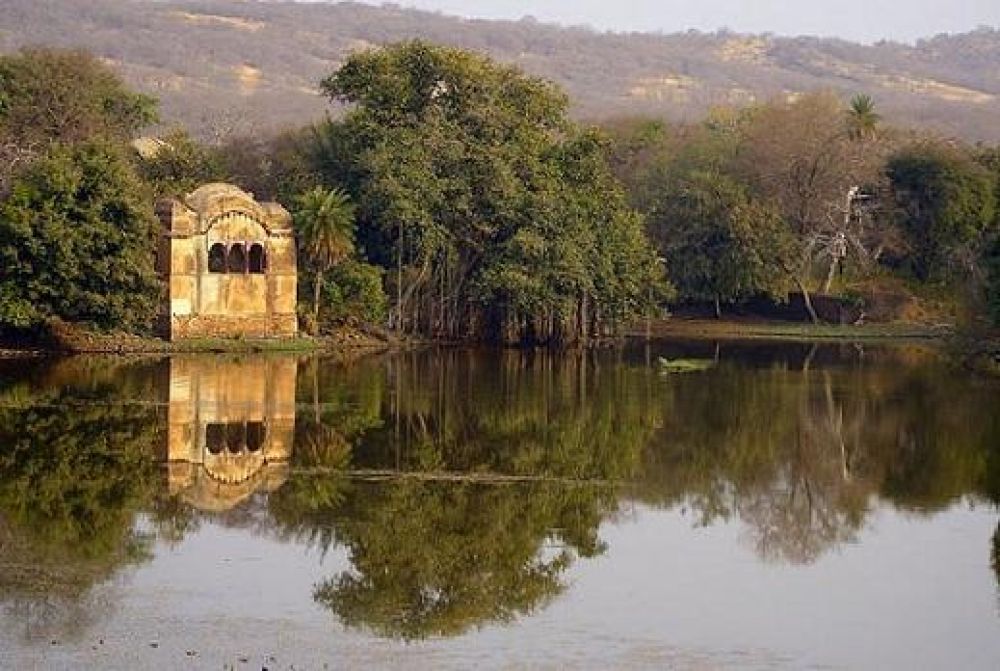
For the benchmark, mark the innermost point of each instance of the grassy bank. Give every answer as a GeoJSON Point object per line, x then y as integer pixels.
{"type": "Point", "coordinates": [65, 339]}
{"type": "Point", "coordinates": [774, 330]}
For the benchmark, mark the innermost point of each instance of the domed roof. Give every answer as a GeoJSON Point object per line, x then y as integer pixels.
{"type": "Point", "coordinates": [202, 198]}
{"type": "Point", "coordinates": [210, 495]}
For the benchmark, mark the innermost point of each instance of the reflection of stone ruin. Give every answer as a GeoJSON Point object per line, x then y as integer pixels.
{"type": "Point", "coordinates": [229, 265]}
{"type": "Point", "coordinates": [230, 428]}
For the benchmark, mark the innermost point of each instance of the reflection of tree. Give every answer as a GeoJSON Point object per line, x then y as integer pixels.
{"type": "Point", "coordinates": [575, 416]}
{"type": "Point", "coordinates": [817, 500]}
{"type": "Point", "coordinates": [448, 542]}
{"type": "Point", "coordinates": [74, 470]}
{"type": "Point", "coordinates": [463, 484]}
{"type": "Point", "coordinates": [173, 518]}
{"type": "Point", "coordinates": [435, 558]}
{"type": "Point", "coordinates": [344, 403]}
{"type": "Point", "coordinates": [995, 556]}
{"type": "Point", "coordinates": [797, 455]}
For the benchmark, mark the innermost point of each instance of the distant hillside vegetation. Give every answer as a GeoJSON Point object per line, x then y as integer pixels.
{"type": "Point", "coordinates": [220, 66]}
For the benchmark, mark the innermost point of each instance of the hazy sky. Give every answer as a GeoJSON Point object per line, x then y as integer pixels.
{"type": "Point", "coordinates": [864, 20]}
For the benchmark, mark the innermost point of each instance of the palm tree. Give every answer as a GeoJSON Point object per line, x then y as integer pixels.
{"type": "Point", "coordinates": [862, 119]}
{"type": "Point", "coordinates": [324, 221]}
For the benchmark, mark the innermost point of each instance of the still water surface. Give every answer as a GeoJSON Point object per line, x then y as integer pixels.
{"type": "Point", "coordinates": [792, 506]}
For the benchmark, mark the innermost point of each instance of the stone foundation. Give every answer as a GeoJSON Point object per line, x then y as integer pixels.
{"type": "Point", "coordinates": [217, 326]}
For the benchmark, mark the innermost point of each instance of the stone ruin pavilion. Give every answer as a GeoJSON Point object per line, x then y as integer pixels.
{"type": "Point", "coordinates": [229, 266]}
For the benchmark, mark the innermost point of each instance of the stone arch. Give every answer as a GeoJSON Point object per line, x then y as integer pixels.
{"type": "Point", "coordinates": [257, 259]}
{"type": "Point", "coordinates": [236, 437]}
{"type": "Point", "coordinates": [217, 258]}
{"type": "Point", "coordinates": [236, 259]}
{"type": "Point", "coordinates": [256, 436]}
{"type": "Point", "coordinates": [215, 437]}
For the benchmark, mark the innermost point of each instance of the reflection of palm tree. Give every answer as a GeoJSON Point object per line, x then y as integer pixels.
{"type": "Point", "coordinates": [319, 446]}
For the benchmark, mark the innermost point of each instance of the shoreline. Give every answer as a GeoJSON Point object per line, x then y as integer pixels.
{"type": "Point", "coordinates": [347, 342]}
{"type": "Point", "coordinates": [351, 343]}
{"type": "Point", "coordinates": [735, 329]}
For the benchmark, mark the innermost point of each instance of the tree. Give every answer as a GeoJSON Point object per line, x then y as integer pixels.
{"type": "Point", "coordinates": [497, 217]}
{"type": "Point", "coordinates": [51, 96]}
{"type": "Point", "coordinates": [946, 204]}
{"type": "Point", "coordinates": [178, 164]}
{"type": "Point", "coordinates": [325, 224]}
{"type": "Point", "coordinates": [719, 244]}
{"type": "Point", "coordinates": [273, 168]}
{"type": "Point", "coordinates": [76, 242]}
{"type": "Point", "coordinates": [68, 96]}
{"type": "Point", "coordinates": [799, 156]}
{"type": "Point", "coordinates": [992, 266]}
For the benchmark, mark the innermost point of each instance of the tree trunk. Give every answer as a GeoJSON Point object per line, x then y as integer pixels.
{"type": "Point", "coordinates": [718, 307]}
{"type": "Point", "coordinates": [399, 284]}
{"type": "Point", "coordinates": [834, 262]}
{"type": "Point", "coordinates": [802, 288]}
{"type": "Point", "coordinates": [317, 289]}
{"type": "Point", "coordinates": [315, 390]}
{"type": "Point", "coordinates": [807, 300]}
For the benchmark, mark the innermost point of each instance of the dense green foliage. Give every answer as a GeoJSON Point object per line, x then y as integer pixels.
{"type": "Point", "coordinates": [455, 199]}
{"type": "Point", "coordinates": [76, 241]}
{"type": "Point", "coordinates": [77, 231]}
{"type": "Point", "coordinates": [848, 207]}
{"type": "Point", "coordinates": [753, 201]}
{"type": "Point", "coordinates": [353, 291]}
{"type": "Point", "coordinates": [719, 244]}
{"type": "Point", "coordinates": [497, 215]}
{"type": "Point", "coordinates": [992, 264]}
{"type": "Point", "coordinates": [947, 203]}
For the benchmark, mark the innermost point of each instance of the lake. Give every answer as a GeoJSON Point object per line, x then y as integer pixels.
{"type": "Point", "coordinates": [777, 506]}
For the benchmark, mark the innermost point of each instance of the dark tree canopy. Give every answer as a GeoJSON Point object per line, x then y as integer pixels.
{"type": "Point", "coordinates": [719, 243]}
{"type": "Point", "coordinates": [947, 203]}
{"type": "Point", "coordinates": [76, 242]}
{"type": "Point", "coordinates": [992, 265]}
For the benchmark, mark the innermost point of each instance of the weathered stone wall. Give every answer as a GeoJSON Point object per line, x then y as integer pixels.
{"type": "Point", "coordinates": [225, 326]}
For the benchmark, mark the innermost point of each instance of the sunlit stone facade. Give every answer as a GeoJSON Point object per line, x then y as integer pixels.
{"type": "Point", "coordinates": [229, 265]}
{"type": "Point", "coordinates": [230, 428]}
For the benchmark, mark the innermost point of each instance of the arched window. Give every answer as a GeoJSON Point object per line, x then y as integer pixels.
{"type": "Point", "coordinates": [258, 258]}
{"type": "Point", "coordinates": [215, 437]}
{"type": "Point", "coordinates": [256, 434]}
{"type": "Point", "coordinates": [237, 259]}
{"type": "Point", "coordinates": [236, 437]}
{"type": "Point", "coordinates": [217, 258]}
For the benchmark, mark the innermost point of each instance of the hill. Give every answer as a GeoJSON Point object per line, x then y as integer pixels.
{"type": "Point", "coordinates": [220, 66]}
